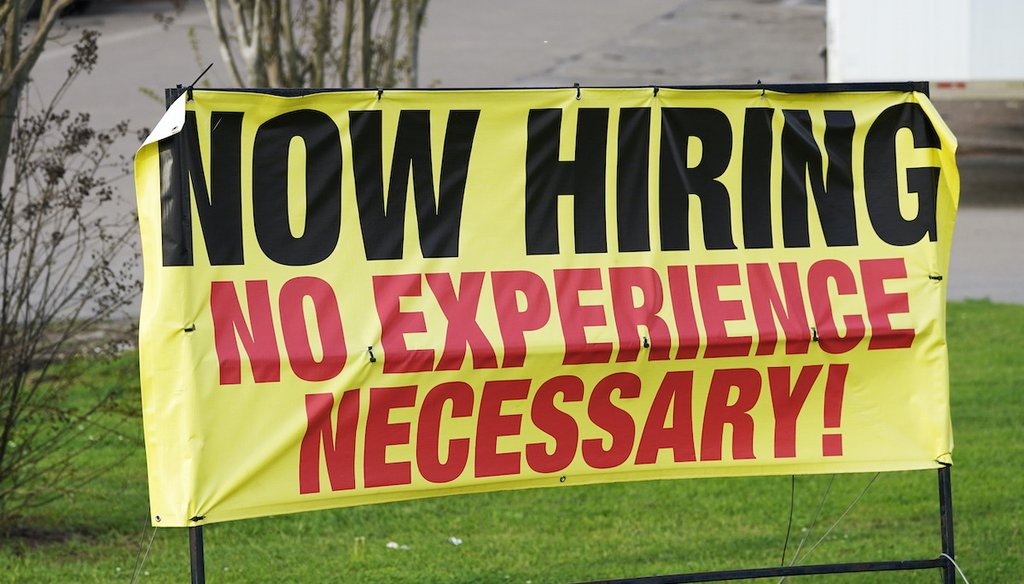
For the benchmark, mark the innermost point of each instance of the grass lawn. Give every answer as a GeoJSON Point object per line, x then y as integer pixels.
{"type": "Point", "coordinates": [591, 532]}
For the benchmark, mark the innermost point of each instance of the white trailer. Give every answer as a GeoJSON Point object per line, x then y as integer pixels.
{"type": "Point", "coordinates": [966, 48]}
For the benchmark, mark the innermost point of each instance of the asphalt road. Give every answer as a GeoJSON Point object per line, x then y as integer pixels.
{"type": "Point", "coordinates": [483, 43]}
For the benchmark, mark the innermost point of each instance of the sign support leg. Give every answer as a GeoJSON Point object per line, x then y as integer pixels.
{"type": "Point", "coordinates": [195, 553]}
{"type": "Point", "coordinates": [946, 515]}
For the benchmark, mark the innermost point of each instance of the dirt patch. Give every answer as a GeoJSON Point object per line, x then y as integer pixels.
{"type": "Point", "coordinates": [33, 537]}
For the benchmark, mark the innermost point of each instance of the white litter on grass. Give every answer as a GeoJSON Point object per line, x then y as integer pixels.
{"type": "Point", "coordinates": [391, 545]}
{"type": "Point", "coordinates": [455, 540]}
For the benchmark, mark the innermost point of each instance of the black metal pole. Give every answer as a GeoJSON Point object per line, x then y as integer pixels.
{"type": "Point", "coordinates": [195, 554]}
{"type": "Point", "coordinates": [777, 571]}
{"type": "Point", "coordinates": [946, 515]}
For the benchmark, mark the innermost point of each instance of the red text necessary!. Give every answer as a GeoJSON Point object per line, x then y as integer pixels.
{"type": "Point", "coordinates": [457, 429]}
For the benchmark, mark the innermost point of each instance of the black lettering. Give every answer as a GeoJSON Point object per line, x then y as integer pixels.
{"type": "Point", "coordinates": [833, 197]}
{"type": "Point", "coordinates": [881, 188]}
{"type": "Point", "coordinates": [219, 207]}
{"type": "Point", "coordinates": [439, 224]}
{"type": "Point", "coordinates": [547, 178]}
{"type": "Point", "coordinates": [756, 178]}
{"type": "Point", "coordinates": [631, 202]}
{"type": "Point", "coordinates": [678, 181]}
{"type": "Point", "coordinates": [322, 228]}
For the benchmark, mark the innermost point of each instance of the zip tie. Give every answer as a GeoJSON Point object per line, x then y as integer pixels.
{"type": "Point", "coordinates": [955, 565]}
{"type": "Point", "coordinates": [370, 351]}
{"type": "Point", "coordinates": [577, 86]}
{"type": "Point", "coordinates": [655, 91]}
{"type": "Point", "coordinates": [189, 88]}
{"type": "Point", "coordinates": [380, 93]}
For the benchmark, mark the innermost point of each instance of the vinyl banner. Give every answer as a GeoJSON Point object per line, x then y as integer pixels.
{"type": "Point", "coordinates": [354, 297]}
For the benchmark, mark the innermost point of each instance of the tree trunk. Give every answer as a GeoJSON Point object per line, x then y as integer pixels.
{"type": "Point", "coordinates": [414, 23]}
{"type": "Point", "coordinates": [321, 43]}
{"type": "Point", "coordinates": [276, 43]}
{"type": "Point", "coordinates": [389, 52]}
{"type": "Point", "coordinates": [345, 59]}
{"type": "Point", "coordinates": [17, 61]}
{"type": "Point", "coordinates": [365, 42]}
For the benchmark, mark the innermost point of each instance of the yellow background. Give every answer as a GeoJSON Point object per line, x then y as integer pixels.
{"type": "Point", "coordinates": [231, 452]}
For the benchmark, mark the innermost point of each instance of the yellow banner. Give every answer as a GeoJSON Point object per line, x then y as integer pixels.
{"type": "Point", "coordinates": [357, 297]}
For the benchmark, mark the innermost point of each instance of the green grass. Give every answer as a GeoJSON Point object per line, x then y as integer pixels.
{"type": "Point", "coordinates": [586, 533]}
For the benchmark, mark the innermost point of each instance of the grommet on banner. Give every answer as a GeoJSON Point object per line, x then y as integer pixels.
{"type": "Point", "coordinates": [370, 351]}
{"type": "Point", "coordinates": [577, 86]}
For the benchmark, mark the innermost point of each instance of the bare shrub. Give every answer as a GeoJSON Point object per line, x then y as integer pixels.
{"type": "Point", "coordinates": [66, 268]}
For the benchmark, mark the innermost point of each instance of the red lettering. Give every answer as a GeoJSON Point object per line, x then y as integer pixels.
{"type": "Point", "coordinates": [767, 306]}
{"type": "Point", "coordinates": [395, 324]}
{"type": "Point", "coordinates": [428, 432]}
{"type": "Point", "coordinates": [787, 405]}
{"type": "Point", "coordinates": [629, 317]}
{"type": "Point", "coordinates": [229, 323]}
{"type": "Point", "coordinates": [835, 387]}
{"type": "Point", "coordinates": [463, 329]}
{"type": "Point", "coordinates": [818, 277]}
{"type": "Point", "coordinates": [381, 433]}
{"type": "Point", "coordinates": [682, 309]}
{"type": "Point", "coordinates": [720, 412]}
{"type": "Point", "coordinates": [492, 424]}
{"type": "Point", "coordinates": [717, 312]}
{"type": "Point", "coordinates": [513, 322]}
{"type": "Point", "coordinates": [612, 419]}
{"type": "Point", "coordinates": [328, 322]}
{"type": "Point", "coordinates": [676, 392]}
{"type": "Point", "coordinates": [575, 317]}
{"type": "Point", "coordinates": [339, 451]}
{"type": "Point", "coordinates": [556, 423]}
{"type": "Point", "coordinates": [881, 304]}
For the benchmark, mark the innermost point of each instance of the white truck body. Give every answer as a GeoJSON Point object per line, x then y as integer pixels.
{"type": "Point", "coordinates": [966, 46]}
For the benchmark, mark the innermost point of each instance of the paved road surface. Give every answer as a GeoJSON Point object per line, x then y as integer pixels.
{"type": "Point", "coordinates": [478, 43]}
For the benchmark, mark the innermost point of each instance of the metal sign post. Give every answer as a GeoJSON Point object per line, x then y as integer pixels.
{"type": "Point", "coordinates": [944, 562]}
{"type": "Point", "coordinates": [195, 554]}
{"type": "Point", "coordinates": [946, 514]}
